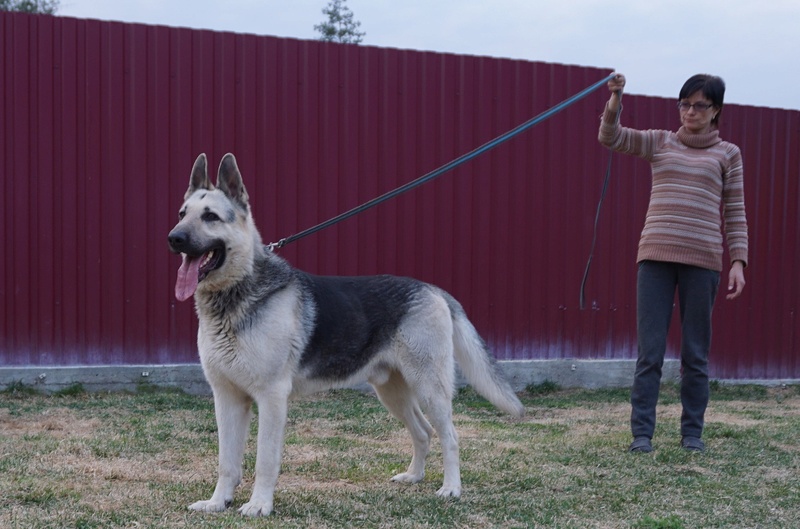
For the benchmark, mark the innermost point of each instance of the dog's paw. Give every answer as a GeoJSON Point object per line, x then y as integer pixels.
{"type": "Point", "coordinates": [407, 477]}
{"type": "Point", "coordinates": [449, 492]}
{"type": "Point", "coordinates": [210, 506]}
{"type": "Point", "coordinates": [256, 508]}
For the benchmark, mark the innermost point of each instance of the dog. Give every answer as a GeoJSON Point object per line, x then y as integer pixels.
{"type": "Point", "coordinates": [268, 332]}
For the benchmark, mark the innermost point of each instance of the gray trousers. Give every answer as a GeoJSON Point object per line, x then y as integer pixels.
{"type": "Point", "coordinates": [656, 285]}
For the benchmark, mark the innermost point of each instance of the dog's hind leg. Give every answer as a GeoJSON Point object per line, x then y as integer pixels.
{"type": "Point", "coordinates": [439, 409]}
{"type": "Point", "coordinates": [233, 411]}
{"type": "Point", "coordinates": [429, 370]}
{"type": "Point", "coordinates": [400, 401]}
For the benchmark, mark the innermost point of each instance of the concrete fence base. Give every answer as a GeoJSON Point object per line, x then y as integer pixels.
{"type": "Point", "coordinates": [590, 374]}
{"type": "Point", "coordinates": [189, 377]}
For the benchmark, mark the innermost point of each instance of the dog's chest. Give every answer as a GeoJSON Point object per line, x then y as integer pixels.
{"type": "Point", "coordinates": [259, 341]}
{"type": "Point", "coordinates": [217, 341]}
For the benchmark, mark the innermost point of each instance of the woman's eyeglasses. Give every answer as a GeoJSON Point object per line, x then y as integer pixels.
{"type": "Point", "coordinates": [700, 107]}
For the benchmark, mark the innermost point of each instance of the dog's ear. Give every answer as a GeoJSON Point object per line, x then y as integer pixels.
{"type": "Point", "coordinates": [229, 181]}
{"type": "Point", "coordinates": [199, 178]}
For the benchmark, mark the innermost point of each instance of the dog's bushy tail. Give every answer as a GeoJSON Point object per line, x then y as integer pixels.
{"type": "Point", "coordinates": [479, 366]}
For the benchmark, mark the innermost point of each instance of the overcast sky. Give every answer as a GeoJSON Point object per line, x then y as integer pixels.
{"type": "Point", "coordinates": [753, 45]}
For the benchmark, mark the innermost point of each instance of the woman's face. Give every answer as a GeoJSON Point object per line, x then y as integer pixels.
{"type": "Point", "coordinates": [696, 113]}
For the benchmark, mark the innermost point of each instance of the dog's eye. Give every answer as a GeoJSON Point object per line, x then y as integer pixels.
{"type": "Point", "coordinates": [181, 214]}
{"type": "Point", "coordinates": [209, 216]}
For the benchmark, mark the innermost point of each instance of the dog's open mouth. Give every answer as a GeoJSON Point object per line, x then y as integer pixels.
{"type": "Point", "coordinates": [194, 269]}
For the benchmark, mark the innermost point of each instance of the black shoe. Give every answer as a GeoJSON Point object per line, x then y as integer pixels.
{"type": "Point", "coordinates": [641, 445]}
{"type": "Point", "coordinates": [693, 444]}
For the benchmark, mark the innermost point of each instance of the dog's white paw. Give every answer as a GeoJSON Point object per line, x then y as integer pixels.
{"type": "Point", "coordinates": [256, 508]}
{"type": "Point", "coordinates": [449, 492]}
{"type": "Point", "coordinates": [209, 506]}
{"type": "Point", "coordinates": [407, 477]}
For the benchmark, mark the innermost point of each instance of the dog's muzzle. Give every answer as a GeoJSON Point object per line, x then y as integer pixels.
{"type": "Point", "coordinates": [179, 242]}
{"type": "Point", "coordinates": [197, 263]}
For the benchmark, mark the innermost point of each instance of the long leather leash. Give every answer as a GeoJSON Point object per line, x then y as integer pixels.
{"type": "Point", "coordinates": [447, 167]}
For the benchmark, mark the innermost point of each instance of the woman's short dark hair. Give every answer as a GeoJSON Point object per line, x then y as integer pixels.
{"type": "Point", "coordinates": [712, 88]}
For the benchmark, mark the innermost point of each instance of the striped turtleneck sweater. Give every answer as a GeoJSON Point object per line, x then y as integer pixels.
{"type": "Point", "coordinates": [695, 176]}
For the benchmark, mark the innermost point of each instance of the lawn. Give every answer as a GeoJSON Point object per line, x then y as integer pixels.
{"type": "Point", "coordinates": [80, 460]}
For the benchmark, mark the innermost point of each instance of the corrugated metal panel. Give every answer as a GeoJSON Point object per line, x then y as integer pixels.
{"type": "Point", "coordinates": [102, 121]}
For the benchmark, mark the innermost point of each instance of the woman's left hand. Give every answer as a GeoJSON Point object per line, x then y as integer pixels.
{"type": "Point", "coordinates": [736, 280]}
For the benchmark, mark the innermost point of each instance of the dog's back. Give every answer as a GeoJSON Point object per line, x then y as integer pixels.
{"type": "Point", "coordinates": [355, 318]}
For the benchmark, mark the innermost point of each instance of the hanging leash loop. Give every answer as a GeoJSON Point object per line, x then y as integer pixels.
{"type": "Point", "coordinates": [582, 300]}
{"type": "Point", "coordinates": [446, 167]}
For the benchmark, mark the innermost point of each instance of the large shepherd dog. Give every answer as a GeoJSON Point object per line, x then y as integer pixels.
{"type": "Point", "coordinates": [268, 332]}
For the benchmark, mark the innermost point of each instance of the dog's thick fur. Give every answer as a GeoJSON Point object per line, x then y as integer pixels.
{"type": "Point", "coordinates": [268, 332]}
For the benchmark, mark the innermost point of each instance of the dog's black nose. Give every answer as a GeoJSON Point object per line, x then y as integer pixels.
{"type": "Point", "coordinates": [178, 241]}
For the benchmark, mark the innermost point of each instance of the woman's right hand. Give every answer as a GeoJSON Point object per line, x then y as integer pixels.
{"type": "Point", "coordinates": [616, 84]}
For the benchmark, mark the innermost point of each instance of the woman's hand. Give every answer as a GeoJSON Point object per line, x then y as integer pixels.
{"type": "Point", "coordinates": [736, 280]}
{"type": "Point", "coordinates": [616, 84]}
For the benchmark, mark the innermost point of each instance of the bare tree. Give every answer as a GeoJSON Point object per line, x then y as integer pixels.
{"type": "Point", "coordinates": [48, 7]}
{"type": "Point", "coordinates": [339, 26]}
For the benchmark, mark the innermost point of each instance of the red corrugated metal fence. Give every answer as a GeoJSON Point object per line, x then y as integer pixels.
{"type": "Point", "coordinates": [101, 123]}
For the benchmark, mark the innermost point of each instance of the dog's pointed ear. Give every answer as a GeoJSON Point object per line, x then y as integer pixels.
{"type": "Point", "coordinates": [229, 181]}
{"type": "Point", "coordinates": [199, 178]}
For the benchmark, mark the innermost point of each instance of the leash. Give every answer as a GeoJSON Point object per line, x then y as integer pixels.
{"type": "Point", "coordinates": [582, 301]}
{"type": "Point", "coordinates": [447, 167]}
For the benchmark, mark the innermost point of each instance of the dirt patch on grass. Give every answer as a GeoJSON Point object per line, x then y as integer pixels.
{"type": "Point", "coordinates": [303, 454]}
{"type": "Point", "coordinates": [576, 414]}
{"type": "Point", "coordinates": [59, 423]}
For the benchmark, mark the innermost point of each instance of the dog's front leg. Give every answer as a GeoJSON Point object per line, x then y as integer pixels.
{"type": "Point", "coordinates": [272, 411]}
{"type": "Point", "coordinates": [233, 412]}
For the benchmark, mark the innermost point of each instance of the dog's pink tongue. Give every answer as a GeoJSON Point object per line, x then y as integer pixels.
{"type": "Point", "coordinates": [187, 277]}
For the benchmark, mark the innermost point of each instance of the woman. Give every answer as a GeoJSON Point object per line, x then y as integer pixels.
{"type": "Point", "coordinates": [694, 173]}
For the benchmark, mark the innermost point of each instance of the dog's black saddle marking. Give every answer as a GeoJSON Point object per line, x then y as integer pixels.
{"type": "Point", "coordinates": [355, 318]}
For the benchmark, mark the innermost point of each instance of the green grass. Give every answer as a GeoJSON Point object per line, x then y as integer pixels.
{"type": "Point", "coordinates": [82, 460]}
